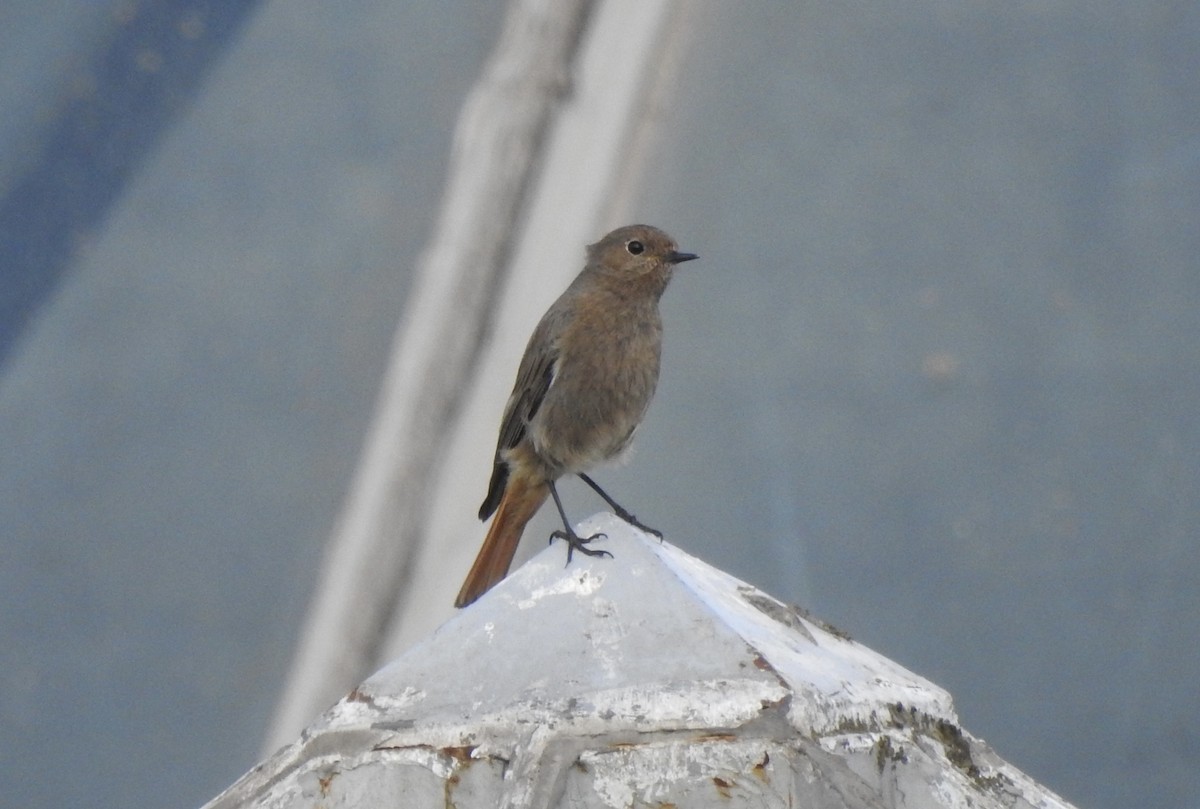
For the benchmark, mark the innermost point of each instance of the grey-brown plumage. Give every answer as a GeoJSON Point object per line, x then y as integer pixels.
{"type": "Point", "coordinates": [583, 386]}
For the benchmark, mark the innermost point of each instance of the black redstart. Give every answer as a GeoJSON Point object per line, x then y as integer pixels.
{"type": "Point", "coordinates": [583, 385]}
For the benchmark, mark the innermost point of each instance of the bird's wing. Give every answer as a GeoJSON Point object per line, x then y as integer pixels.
{"type": "Point", "coordinates": [534, 378]}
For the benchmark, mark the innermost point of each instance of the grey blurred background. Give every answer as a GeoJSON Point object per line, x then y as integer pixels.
{"type": "Point", "coordinates": [934, 378]}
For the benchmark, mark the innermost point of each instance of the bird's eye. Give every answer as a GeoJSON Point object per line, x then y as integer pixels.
{"type": "Point", "coordinates": [635, 247]}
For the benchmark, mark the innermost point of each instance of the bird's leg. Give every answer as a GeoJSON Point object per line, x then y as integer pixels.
{"type": "Point", "coordinates": [616, 507]}
{"type": "Point", "coordinates": [568, 535]}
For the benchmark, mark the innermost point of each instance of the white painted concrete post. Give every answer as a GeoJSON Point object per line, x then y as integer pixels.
{"type": "Point", "coordinates": [648, 679]}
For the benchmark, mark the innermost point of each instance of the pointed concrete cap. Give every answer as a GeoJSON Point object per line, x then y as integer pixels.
{"type": "Point", "coordinates": [647, 679]}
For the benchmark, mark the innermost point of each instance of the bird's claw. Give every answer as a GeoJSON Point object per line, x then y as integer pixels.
{"type": "Point", "coordinates": [641, 526]}
{"type": "Point", "coordinates": [578, 543]}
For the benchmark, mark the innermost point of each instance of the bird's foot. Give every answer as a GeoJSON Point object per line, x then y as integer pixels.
{"type": "Point", "coordinates": [636, 523]}
{"type": "Point", "coordinates": [578, 543]}
{"type": "Point", "coordinates": [617, 508]}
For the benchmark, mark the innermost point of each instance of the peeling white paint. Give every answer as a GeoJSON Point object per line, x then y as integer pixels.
{"type": "Point", "coordinates": [393, 703]}
{"type": "Point", "coordinates": [606, 636]}
{"type": "Point", "coordinates": [579, 583]}
{"type": "Point", "coordinates": [836, 676]}
{"type": "Point", "coordinates": [676, 684]}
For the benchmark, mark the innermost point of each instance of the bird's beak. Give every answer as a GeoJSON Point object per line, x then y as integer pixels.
{"type": "Point", "coordinates": [675, 257]}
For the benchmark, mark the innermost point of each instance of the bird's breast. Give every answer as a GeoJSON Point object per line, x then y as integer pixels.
{"type": "Point", "coordinates": [604, 379]}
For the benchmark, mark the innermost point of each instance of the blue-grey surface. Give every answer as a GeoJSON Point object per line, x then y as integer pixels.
{"type": "Point", "coordinates": [181, 416]}
{"type": "Point", "coordinates": [942, 348]}
{"type": "Point", "coordinates": [90, 89]}
{"type": "Point", "coordinates": [935, 376]}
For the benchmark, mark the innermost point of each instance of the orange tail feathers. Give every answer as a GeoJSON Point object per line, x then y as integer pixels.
{"type": "Point", "coordinates": [520, 502]}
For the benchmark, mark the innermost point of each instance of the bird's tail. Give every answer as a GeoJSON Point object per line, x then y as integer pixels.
{"type": "Point", "coordinates": [522, 498]}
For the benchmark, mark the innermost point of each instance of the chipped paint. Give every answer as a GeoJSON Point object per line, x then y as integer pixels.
{"type": "Point", "coordinates": [579, 583]}
{"type": "Point", "coordinates": [677, 686]}
{"type": "Point", "coordinates": [837, 679]}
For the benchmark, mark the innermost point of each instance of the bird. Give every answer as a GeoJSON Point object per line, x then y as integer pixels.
{"type": "Point", "coordinates": [583, 385]}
